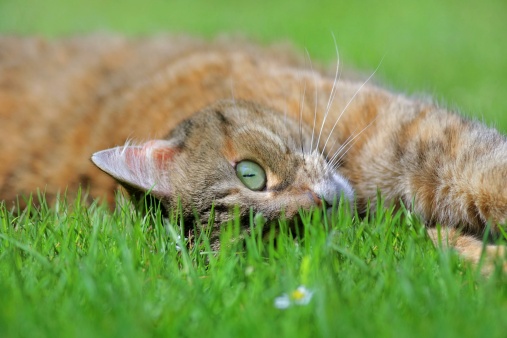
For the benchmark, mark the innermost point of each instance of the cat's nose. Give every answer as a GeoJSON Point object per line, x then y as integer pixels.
{"type": "Point", "coordinates": [315, 198]}
{"type": "Point", "coordinates": [319, 199]}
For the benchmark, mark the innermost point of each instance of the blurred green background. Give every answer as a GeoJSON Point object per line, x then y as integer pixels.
{"type": "Point", "coordinates": [452, 50]}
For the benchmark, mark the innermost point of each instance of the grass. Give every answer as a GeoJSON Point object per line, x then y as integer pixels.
{"type": "Point", "coordinates": [86, 271]}
{"type": "Point", "coordinates": [71, 270]}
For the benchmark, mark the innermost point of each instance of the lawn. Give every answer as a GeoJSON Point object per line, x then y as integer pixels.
{"type": "Point", "coordinates": [89, 272]}
{"type": "Point", "coordinates": [70, 270]}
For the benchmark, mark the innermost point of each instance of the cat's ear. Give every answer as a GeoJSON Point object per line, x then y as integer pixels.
{"type": "Point", "coordinates": [144, 167]}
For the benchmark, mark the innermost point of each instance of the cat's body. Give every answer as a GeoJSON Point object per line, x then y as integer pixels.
{"type": "Point", "coordinates": [62, 101]}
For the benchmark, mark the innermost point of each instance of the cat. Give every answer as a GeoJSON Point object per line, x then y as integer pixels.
{"type": "Point", "coordinates": [229, 123]}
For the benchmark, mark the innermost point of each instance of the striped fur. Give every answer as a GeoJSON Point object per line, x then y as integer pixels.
{"type": "Point", "coordinates": [316, 136]}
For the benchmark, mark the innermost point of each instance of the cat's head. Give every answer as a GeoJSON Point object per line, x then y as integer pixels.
{"type": "Point", "coordinates": [233, 153]}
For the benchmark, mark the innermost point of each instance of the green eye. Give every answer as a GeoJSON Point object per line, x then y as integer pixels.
{"type": "Point", "coordinates": [251, 174]}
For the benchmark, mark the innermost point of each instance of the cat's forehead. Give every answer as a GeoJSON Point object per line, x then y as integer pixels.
{"type": "Point", "coordinates": [257, 129]}
{"type": "Point", "coordinates": [244, 118]}
{"type": "Point", "coordinates": [258, 134]}
{"type": "Point", "coordinates": [235, 131]}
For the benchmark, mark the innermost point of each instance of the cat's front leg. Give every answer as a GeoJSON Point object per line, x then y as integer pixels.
{"type": "Point", "coordinates": [454, 174]}
{"type": "Point", "coordinates": [470, 248]}
{"type": "Point", "coordinates": [449, 170]}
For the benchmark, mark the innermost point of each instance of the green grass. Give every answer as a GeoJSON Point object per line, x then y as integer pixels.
{"type": "Point", "coordinates": [69, 270]}
{"type": "Point", "coordinates": [88, 272]}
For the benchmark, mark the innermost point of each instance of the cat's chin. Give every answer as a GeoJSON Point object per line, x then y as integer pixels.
{"type": "Point", "coordinates": [346, 189]}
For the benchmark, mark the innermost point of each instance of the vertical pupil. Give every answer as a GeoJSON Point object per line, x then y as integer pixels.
{"type": "Point", "coordinates": [251, 175]}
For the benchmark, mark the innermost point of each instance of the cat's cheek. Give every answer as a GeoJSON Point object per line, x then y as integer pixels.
{"type": "Point", "coordinates": [272, 180]}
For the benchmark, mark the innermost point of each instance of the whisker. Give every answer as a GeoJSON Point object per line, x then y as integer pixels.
{"type": "Point", "coordinates": [333, 92]}
{"type": "Point", "coordinates": [301, 105]}
{"type": "Point", "coordinates": [340, 147]}
{"type": "Point", "coordinates": [345, 147]}
{"type": "Point", "coordinates": [316, 98]}
{"type": "Point", "coordinates": [337, 161]}
{"type": "Point", "coordinates": [349, 102]}
{"type": "Point", "coordinates": [354, 137]}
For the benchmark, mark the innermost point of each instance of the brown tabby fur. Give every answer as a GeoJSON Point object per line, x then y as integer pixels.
{"type": "Point", "coordinates": [61, 101]}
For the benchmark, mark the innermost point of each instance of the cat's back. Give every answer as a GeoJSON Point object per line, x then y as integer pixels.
{"type": "Point", "coordinates": [62, 100]}
{"type": "Point", "coordinates": [52, 92]}
{"type": "Point", "coordinates": [50, 75]}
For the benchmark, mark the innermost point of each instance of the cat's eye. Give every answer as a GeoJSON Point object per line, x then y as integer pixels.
{"type": "Point", "coordinates": [251, 174]}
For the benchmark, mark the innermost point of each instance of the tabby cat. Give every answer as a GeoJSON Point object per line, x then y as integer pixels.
{"type": "Point", "coordinates": [228, 123]}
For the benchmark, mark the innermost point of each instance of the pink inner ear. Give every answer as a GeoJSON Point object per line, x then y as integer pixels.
{"type": "Point", "coordinates": [146, 167]}
{"type": "Point", "coordinates": [160, 152]}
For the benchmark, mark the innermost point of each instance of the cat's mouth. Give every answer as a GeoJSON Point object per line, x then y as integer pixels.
{"type": "Point", "coordinates": [317, 199]}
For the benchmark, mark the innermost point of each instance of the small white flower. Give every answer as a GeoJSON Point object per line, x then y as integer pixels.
{"type": "Point", "coordinates": [249, 270]}
{"type": "Point", "coordinates": [282, 302]}
{"type": "Point", "coordinates": [300, 296]}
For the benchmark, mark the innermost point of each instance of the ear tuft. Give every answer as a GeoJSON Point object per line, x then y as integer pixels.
{"type": "Point", "coordinates": [145, 167]}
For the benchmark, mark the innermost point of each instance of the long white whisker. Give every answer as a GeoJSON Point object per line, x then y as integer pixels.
{"type": "Point", "coordinates": [340, 147]}
{"type": "Point", "coordinates": [333, 91]}
{"type": "Point", "coordinates": [344, 151]}
{"type": "Point", "coordinates": [344, 148]}
{"type": "Point", "coordinates": [348, 104]}
{"type": "Point", "coordinates": [316, 99]}
{"type": "Point", "coordinates": [301, 107]}
{"type": "Point", "coordinates": [353, 137]}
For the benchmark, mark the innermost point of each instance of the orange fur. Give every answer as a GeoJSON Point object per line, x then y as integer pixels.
{"type": "Point", "coordinates": [63, 100]}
